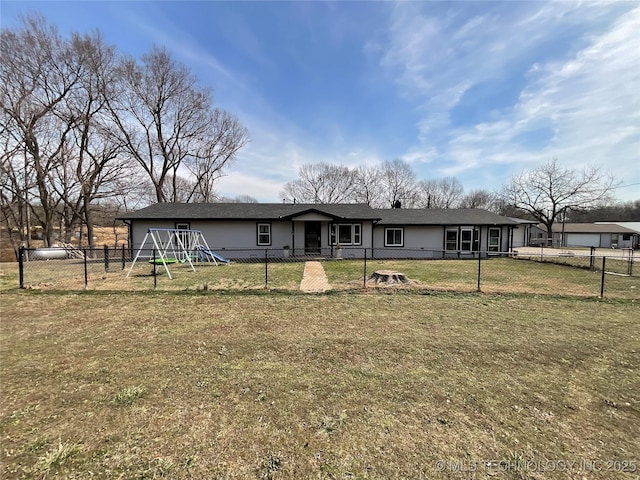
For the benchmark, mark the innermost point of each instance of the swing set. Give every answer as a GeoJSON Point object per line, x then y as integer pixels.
{"type": "Point", "coordinates": [173, 245]}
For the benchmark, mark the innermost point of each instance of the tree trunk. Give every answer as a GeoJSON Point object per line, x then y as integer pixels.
{"type": "Point", "coordinates": [88, 218]}
{"type": "Point", "coordinates": [389, 277]}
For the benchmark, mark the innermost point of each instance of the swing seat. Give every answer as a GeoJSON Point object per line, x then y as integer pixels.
{"type": "Point", "coordinates": [158, 261]}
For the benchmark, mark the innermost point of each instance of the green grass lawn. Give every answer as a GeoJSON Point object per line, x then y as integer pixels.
{"type": "Point", "coordinates": [376, 386]}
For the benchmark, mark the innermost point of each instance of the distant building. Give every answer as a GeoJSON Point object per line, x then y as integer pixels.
{"type": "Point", "coordinates": [599, 235]}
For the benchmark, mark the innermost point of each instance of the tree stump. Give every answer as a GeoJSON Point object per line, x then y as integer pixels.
{"type": "Point", "coordinates": [389, 277]}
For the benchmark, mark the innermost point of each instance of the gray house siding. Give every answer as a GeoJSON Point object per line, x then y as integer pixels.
{"type": "Point", "coordinates": [418, 241]}
{"type": "Point", "coordinates": [521, 236]}
{"type": "Point", "coordinates": [239, 239]}
{"type": "Point", "coordinates": [429, 241]}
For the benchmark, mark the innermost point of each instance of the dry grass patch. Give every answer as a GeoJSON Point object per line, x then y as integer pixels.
{"type": "Point", "coordinates": [292, 386]}
{"type": "Point", "coordinates": [69, 275]}
{"type": "Point", "coordinates": [497, 275]}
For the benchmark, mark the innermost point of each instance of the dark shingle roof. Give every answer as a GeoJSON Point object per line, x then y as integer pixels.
{"type": "Point", "coordinates": [432, 216]}
{"type": "Point", "coordinates": [350, 211]}
{"type": "Point", "coordinates": [248, 211]}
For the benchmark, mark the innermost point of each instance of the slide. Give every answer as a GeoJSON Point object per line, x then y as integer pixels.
{"type": "Point", "coordinates": [214, 255]}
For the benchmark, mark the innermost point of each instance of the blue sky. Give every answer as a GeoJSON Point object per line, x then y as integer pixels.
{"type": "Point", "coordinates": [477, 90]}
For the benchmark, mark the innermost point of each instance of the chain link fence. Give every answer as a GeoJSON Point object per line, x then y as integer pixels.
{"type": "Point", "coordinates": [348, 269]}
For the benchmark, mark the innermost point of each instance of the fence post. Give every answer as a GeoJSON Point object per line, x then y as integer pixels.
{"type": "Point", "coordinates": [630, 265]}
{"type": "Point", "coordinates": [86, 272]}
{"type": "Point", "coordinates": [604, 260]}
{"type": "Point", "coordinates": [106, 259]}
{"type": "Point", "coordinates": [479, 265]}
{"type": "Point", "coordinates": [123, 259]}
{"type": "Point", "coordinates": [592, 259]}
{"type": "Point", "coordinates": [364, 274]}
{"type": "Point", "coordinates": [266, 268]}
{"type": "Point", "coordinates": [21, 265]}
{"type": "Point", "coordinates": [155, 272]}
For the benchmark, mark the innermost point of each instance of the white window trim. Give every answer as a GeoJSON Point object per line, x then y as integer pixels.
{"type": "Point", "coordinates": [470, 241]}
{"type": "Point", "coordinates": [447, 230]}
{"type": "Point", "coordinates": [259, 234]}
{"type": "Point", "coordinates": [334, 234]}
{"type": "Point", "coordinates": [387, 244]}
{"type": "Point", "coordinates": [491, 248]}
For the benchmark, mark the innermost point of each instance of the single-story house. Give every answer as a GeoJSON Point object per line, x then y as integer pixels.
{"type": "Point", "coordinates": [248, 229]}
{"type": "Point", "coordinates": [600, 235]}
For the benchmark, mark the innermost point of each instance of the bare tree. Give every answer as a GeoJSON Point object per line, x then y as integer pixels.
{"type": "Point", "coordinates": [399, 184]}
{"type": "Point", "coordinates": [226, 138]}
{"type": "Point", "coordinates": [321, 183]}
{"type": "Point", "coordinates": [166, 121]}
{"type": "Point", "coordinates": [93, 161]}
{"type": "Point", "coordinates": [483, 199]}
{"type": "Point", "coordinates": [178, 188]}
{"type": "Point", "coordinates": [13, 203]}
{"type": "Point", "coordinates": [14, 188]}
{"type": "Point", "coordinates": [238, 199]}
{"type": "Point", "coordinates": [442, 193]}
{"type": "Point", "coordinates": [38, 71]}
{"type": "Point", "coordinates": [369, 186]}
{"type": "Point", "coordinates": [610, 212]}
{"type": "Point", "coordinates": [550, 191]}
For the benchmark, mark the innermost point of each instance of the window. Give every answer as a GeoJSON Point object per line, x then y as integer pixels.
{"type": "Point", "coordinates": [184, 237]}
{"type": "Point", "coordinates": [264, 234]}
{"type": "Point", "coordinates": [626, 237]}
{"type": "Point", "coordinates": [345, 233]}
{"type": "Point", "coordinates": [451, 239]}
{"type": "Point", "coordinates": [393, 237]}
{"type": "Point", "coordinates": [494, 240]}
{"type": "Point", "coordinates": [466, 239]}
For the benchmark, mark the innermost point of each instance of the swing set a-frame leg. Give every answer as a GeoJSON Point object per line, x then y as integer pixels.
{"type": "Point", "coordinates": [157, 248]}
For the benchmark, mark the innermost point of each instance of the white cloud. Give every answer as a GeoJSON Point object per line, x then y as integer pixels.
{"type": "Point", "coordinates": [585, 104]}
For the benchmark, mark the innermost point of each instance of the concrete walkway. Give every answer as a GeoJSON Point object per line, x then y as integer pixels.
{"type": "Point", "coordinates": [314, 279]}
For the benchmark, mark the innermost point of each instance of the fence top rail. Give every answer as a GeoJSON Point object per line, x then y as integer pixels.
{"type": "Point", "coordinates": [622, 253]}
{"type": "Point", "coordinates": [180, 230]}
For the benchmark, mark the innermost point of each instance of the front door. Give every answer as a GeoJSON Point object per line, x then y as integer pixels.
{"type": "Point", "coordinates": [312, 237]}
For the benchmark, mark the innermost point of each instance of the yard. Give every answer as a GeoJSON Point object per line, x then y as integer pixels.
{"type": "Point", "coordinates": [345, 386]}
{"type": "Point", "coordinates": [497, 275]}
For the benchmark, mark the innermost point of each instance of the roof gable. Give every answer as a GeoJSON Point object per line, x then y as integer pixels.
{"type": "Point", "coordinates": [249, 211]}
